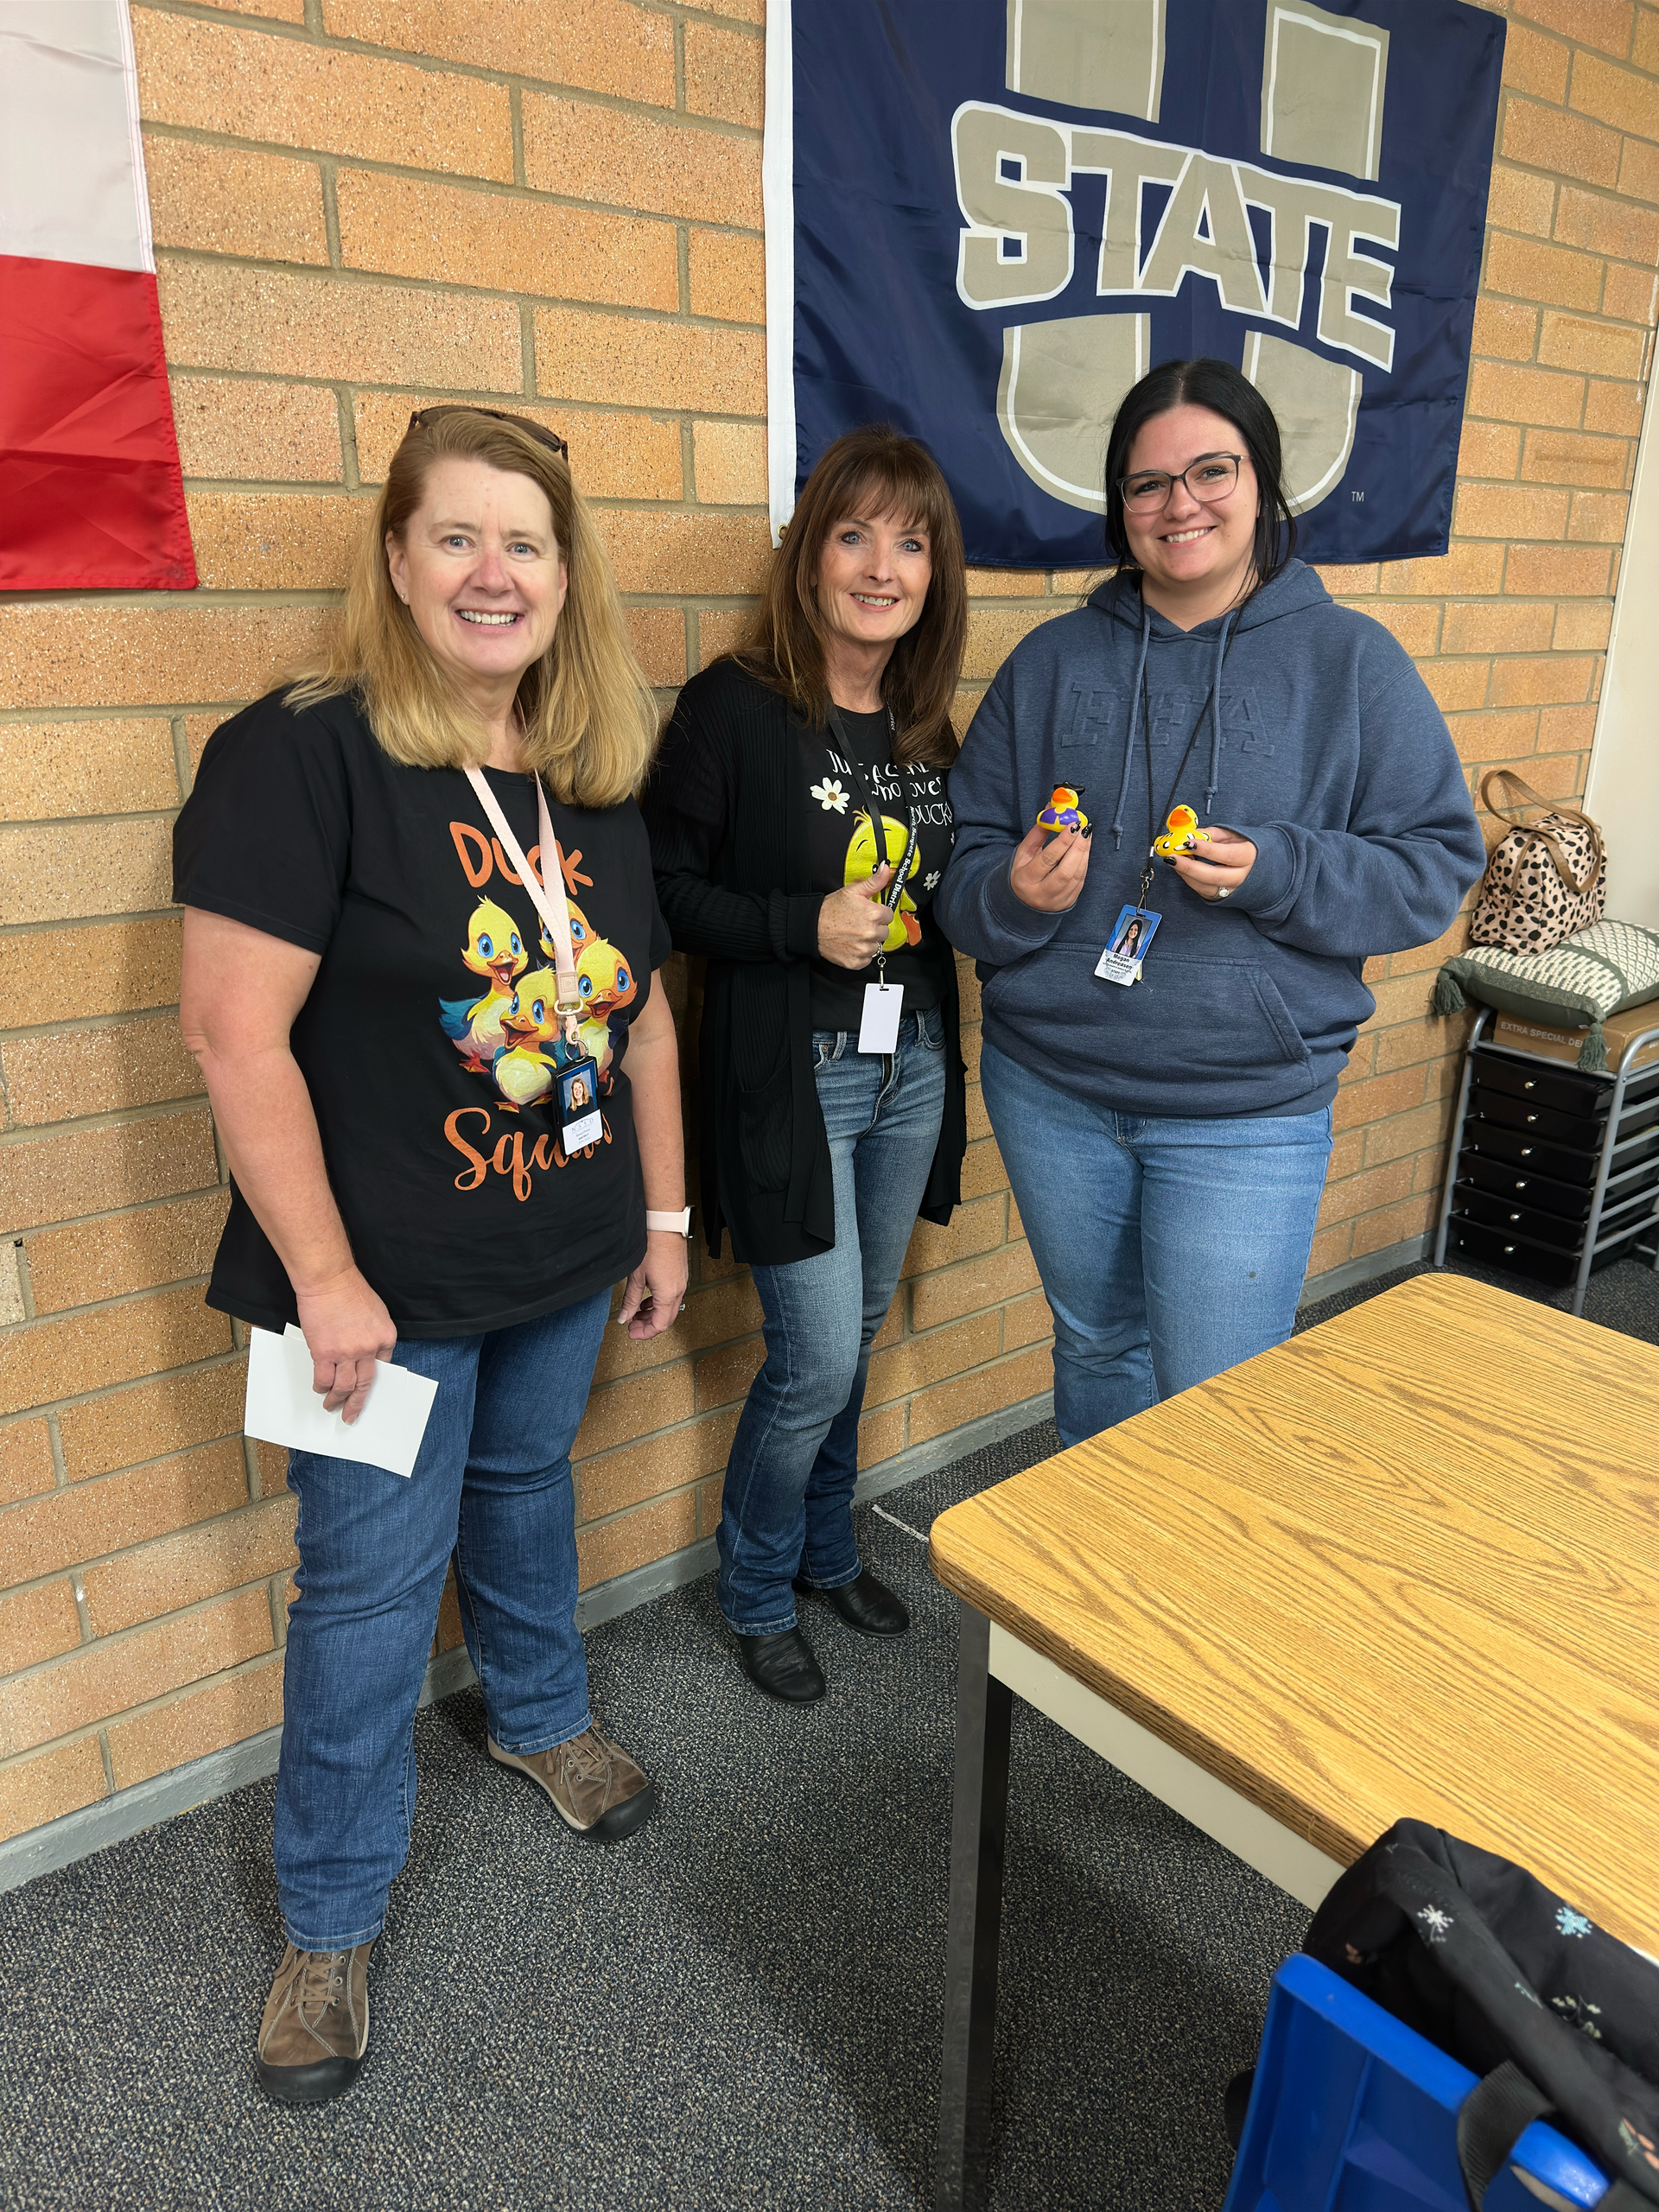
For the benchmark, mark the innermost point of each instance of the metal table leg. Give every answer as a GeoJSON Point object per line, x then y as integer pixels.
{"type": "Point", "coordinates": [978, 1812]}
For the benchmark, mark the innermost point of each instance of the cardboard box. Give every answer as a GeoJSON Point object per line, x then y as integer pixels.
{"type": "Point", "coordinates": [1522, 1036]}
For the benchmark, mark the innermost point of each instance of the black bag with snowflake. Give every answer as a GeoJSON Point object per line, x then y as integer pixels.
{"type": "Point", "coordinates": [1559, 2019]}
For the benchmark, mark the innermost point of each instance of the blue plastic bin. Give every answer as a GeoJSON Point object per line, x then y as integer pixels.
{"type": "Point", "coordinates": [1353, 2112]}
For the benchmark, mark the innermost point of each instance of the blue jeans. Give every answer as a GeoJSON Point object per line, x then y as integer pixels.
{"type": "Point", "coordinates": [492, 1486]}
{"type": "Point", "coordinates": [1170, 1250]}
{"type": "Point", "coordinates": [787, 1506]}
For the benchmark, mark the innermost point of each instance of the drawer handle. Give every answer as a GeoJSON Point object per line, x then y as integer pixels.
{"type": "Point", "coordinates": [1514, 1217]}
{"type": "Point", "coordinates": [1521, 1183]}
{"type": "Point", "coordinates": [1508, 1248]}
{"type": "Point", "coordinates": [1526, 1151]}
{"type": "Point", "coordinates": [1527, 1085]}
{"type": "Point", "coordinates": [1531, 1118]}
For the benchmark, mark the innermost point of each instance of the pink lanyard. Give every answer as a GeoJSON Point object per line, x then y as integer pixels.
{"type": "Point", "coordinates": [552, 910]}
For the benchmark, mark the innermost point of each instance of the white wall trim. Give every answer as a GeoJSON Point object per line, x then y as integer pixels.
{"type": "Point", "coordinates": [1622, 789]}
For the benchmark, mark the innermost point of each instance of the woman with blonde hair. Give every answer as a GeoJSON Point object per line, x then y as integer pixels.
{"type": "Point", "coordinates": [419, 916]}
{"type": "Point", "coordinates": [799, 825]}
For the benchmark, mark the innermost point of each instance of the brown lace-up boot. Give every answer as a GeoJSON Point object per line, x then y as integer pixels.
{"type": "Point", "coordinates": [315, 2028]}
{"type": "Point", "coordinates": [597, 1788]}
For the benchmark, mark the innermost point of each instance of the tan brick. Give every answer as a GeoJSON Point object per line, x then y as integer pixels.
{"type": "Point", "coordinates": [125, 1252]}
{"type": "Point", "coordinates": [1598, 517]}
{"type": "Point", "coordinates": [650, 1532]}
{"type": "Point", "coordinates": [1504, 330]}
{"type": "Point", "coordinates": [612, 456]}
{"type": "Point", "coordinates": [713, 1314]}
{"type": "Point", "coordinates": [1400, 998]}
{"type": "Point", "coordinates": [271, 1462]}
{"type": "Point", "coordinates": [1016, 583]}
{"type": "Point", "coordinates": [634, 1407]}
{"type": "Point", "coordinates": [1627, 98]}
{"type": "Point", "coordinates": [988, 1390]}
{"type": "Point", "coordinates": [450, 1633]}
{"type": "Point", "coordinates": [53, 1075]}
{"type": "Point", "coordinates": [1357, 1194]}
{"type": "Point", "coordinates": [730, 463]}
{"type": "Point", "coordinates": [25, 1459]}
{"type": "Point", "coordinates": [584, 152]}
{"type": "Point", "coordinates": [289, 11]}
{"type": "Point", "coordinates": [1556, 678]}
{"type": "Point", "coordinates": [238, 427]}
{"type": "Point", "coordinates": [1347, 1154]}
{"type": "Point", "coordinates": [976, 1227]}
{"type": "Point", "coordinates": [105, 654]}
{"type": "Point", "coordinates": [37, 1624]}
{"type": "Point", "coordinates": [1601, 349]}
{"type": "Point", "coordinates": [276, 541]}
{"type": "Point", "coordinates": [223, 315]}
{"type": "Point", "coordinates": [225, 200]}
{"type": "Point", "coordinates": [500, 242]}
{"type": "Point", "coordinates": [719, 554]}
{"type": "Point", "coordinates": [724, 74]}
{"type": "Point", "coordinates": [1630, 294]}
{"type": "Point", "coordinates": [1455, 685]}
{"type": "Point", "coordinates": [1355, 580]}
{"type": "Point", "coordinates": [148, 1419]}
{"type": "Point", "coordinates": [894, 1327]}
{"type": "Point", "coordinates": [657, 634]}
{"type": "Point", "coordinates": [1602, 225]}
{"type": "Point", "coordinates": [1524, 395]}
{"type": "Point", "coordinates": [728, 277]}
{"type": "Point", "coordinates": [621, 359]}
{"type": "Point", "coordinates": [1557, 776]}
{"type": "Point", "coordinates": [724, 1376]}
{"type": "Point", "coordinates": [289, 92]}
{"type": "Point", "coordinates": [1373, 1098]}
{"type": "Point", "coordinates": [1424, 1130]}
{"type": "Point", "coordinates": [1491, 739]}
{"type": "Point", "coordinates": [1027, 1322]}
{"type": "Point", "coordinates": [244, 1704]}
{"type": "Point", "coordinates": [1330, 1247]}
{"type": "Point", "coordinates": [1519, 201]}
{"type": "Point", "coordinates": [182, 1570]}
{"type": "Point", "coordinates": [50, 770]}
{"type": "Point", "coordinates": [604, 46]}
{"type": "Point", "coordinates": [1572, 457]}
{"type": "Point", "coordinates": [1509, 511]}
{"type": "Point", "coordinates": [1465, 569]}
{"type": "Point", "coordinates": [116, 967]}
{"type": "Point", "coordinates": [1535, 64]}
{"type": "Point", "coordinates": [54, 1178]}
{"type": "Point", "coordinates": [720, 630]}
{"type": "Point", "coordinates": [1614, 407]}
{"type": "Point", "coordinates": [1545, 138]}
{"type": "Point", "coordinates": [993, 634]}
{"type": "Point", "coordinates": [64, 1526]}
{"type": "Point", "coordinates": [983, 1170]}
{"type": "Point", "coordinates": [1645, 48]}
{"type": "Point", "coordinates": [1488, 449]}
{"type": "Point", "coordinates": [659, 1464]}
{"type": "Point", "coordinates": [1639, 170]}
{"type": "Point", "coordinates": [1556, 275]}
{"type": "Point", "coordinates": [1496, 626]}
{"type": "Point", "coordinates": [1583, 625]}
{"type": "Point", "coordinates": [59, 1358]}
{"type": "Point", "coordinates": [33, 1791]}
{"type": "Point", "coordinates": [105, 867]}
{"type": "Point", "coordinates": [918, 1361]}
{"type": "Point", "coordinates": [1416, 623]}
{"type": "Point", "coordinates": [1374, 1232]}
{"type": "Point", "coordinates": [1569, 571]}
{"type": "Point", "coordinates": [881, 1435]}
{"type": "Point", "coordinates": [1604, 23]}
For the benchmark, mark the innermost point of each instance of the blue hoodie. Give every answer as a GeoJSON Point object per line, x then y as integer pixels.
{"type": "Point", "coordinates": [1321, 745]}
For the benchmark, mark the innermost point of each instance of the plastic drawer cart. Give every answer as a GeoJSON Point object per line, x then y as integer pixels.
{"type": "Point", "coordinates": [1550, 1171]}
{"type": "Point", "coordinates": [1353, 2112]}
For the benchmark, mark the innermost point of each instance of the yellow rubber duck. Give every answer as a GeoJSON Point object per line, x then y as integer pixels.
{"type": "Point", "coordinates": [494, 949]}
{"type": "Point", "coordinates": [523, 1073]}
{"type": "Point", "coordinates": [905, 927]}
{"type": "Point", "coordinates": [1181, 833]}
{"type": "Point", "coordinates": [1063, 811]}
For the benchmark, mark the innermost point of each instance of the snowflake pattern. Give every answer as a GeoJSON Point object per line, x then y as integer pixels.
{"type": "Point", "coordinates": [1581, 2014]}
{"type": "Point", "coordinates": [1435, 1923]}
{"type": "Point", "coordinates": [930, 880]}
{"type": "Point", "coordinates": [830, 796]}
{"type": "Point", "coordinates": [1571, 1922]}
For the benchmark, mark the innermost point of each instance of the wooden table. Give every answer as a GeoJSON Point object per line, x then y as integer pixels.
{"type": "Point", "coordinates": [1406, 1565]}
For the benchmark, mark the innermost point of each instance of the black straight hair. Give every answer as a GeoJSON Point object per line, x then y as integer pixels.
{"type": "Point", "coordinates": [1225, 390]}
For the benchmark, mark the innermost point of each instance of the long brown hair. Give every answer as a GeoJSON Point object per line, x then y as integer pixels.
{"type": "Point", "coordinates": [871, 471]}
{"type": "Point", "coordinates": [589, 717]}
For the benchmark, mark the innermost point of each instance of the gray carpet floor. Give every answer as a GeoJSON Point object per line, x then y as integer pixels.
{"type": "Point", "coordinates": [739, 2007]}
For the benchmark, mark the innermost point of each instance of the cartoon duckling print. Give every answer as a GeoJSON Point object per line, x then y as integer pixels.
{"type": "Point", "coordinates": [523, 1072]}
{"type": "Point", "coordinates": [581, 932]}
{"type": "Point", "coordinates": [1181, 833]}
{"type": "Point", "coordinates": [861, 864]}
{"type": "Point", "coordinates": [494, 950]}
{"type": "Point", "coordinates": [605, 983]}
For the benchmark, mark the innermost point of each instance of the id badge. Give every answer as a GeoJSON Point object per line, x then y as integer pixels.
{"type": "Point", "coordinates": [581, 1121]}
{"type": "Point", "coordinates": [1132, 935]}
{"type": "Point", "coordinates": [883, 1004]}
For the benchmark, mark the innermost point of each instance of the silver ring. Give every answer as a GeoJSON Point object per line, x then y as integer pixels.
{"type": "Point", "coordinates": [1225, 892]}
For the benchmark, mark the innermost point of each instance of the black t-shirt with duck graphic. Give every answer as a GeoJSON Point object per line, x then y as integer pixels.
{"type": "Point", "coordinates": [428, 1040]}
{"type": "Point", "coordinates": [842, 846]}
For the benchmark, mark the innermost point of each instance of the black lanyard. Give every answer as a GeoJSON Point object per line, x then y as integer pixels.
{"type": "Point", "coordinates": [1153, 814]}
{"type": "Point", "coordinates": [871, 807]}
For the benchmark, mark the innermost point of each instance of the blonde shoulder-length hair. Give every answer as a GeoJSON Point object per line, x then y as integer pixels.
{"type": "Point", "coordinates": [588, 717]}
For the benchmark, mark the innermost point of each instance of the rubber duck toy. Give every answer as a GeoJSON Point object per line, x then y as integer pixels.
{"type": "Point", "coordinates": [605, 984]}
{"type": "Point", "coordinates": [523, 1073]}
{"type": "Point", "coordinates": [1063, 811]}
{"type": "Point", "coordinates": [906, 926]}
{"type": "Point", "coordinates": [1181, 833]}
{"type": "Point", "coordinates": [494, 950]}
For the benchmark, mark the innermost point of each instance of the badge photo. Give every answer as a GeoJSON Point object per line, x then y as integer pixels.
{"type": "Point", "coordinates": [1132, 934]}
{"type": "Point", "coordinates": [581, 1121]}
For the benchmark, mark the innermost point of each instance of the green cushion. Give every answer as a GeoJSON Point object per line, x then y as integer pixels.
{"type": "Point", "coordinates": [1585, 978]}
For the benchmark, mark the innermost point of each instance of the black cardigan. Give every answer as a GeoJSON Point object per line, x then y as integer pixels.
{"type": "Point", "coordinates": [726, 815]}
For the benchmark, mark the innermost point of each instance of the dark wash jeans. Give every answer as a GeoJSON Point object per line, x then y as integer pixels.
{"type": "Point", "coordinates": [787, 1505]}
{"type": "Point", "coordinates": [491, 1487]}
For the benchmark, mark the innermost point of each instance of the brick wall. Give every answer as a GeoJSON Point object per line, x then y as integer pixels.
{"type": "Point", "coordinates": [363, 204]}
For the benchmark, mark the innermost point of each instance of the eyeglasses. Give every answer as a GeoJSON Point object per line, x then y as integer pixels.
{"type": "Point", "coordinates": [1211, 477]}
{"type": "Point", "coordinates": [425, 416]}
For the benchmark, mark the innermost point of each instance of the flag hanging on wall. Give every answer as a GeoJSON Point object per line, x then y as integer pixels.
{"type": "Point", "coordinates": [91, 497]}
{"type": "Point", "coordinates": [986, 218]}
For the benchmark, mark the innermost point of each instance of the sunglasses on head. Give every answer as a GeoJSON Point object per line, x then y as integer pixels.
{"type": "Point", "coordinates": [424, 416]}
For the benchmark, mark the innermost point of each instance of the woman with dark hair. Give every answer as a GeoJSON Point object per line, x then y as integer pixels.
{"type": "Point", "coordinates": [799, 826]}
{"type": "Point", "coordinates": [1167, 1132]}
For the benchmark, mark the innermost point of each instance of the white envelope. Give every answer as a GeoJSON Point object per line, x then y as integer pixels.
{"type": "Point", "coordinates": [283, 1408]}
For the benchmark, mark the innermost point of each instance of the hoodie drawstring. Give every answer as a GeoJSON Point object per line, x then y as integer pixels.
{"type": "Point", "coordinates": [1214, 784]}
{"type": "Point", "coordinates": [1135, 720]}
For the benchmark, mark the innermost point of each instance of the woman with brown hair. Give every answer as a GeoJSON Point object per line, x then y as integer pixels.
{"type": "Point", "coordinates": [799, 827]}
{"type": "Point", "coordinates": [387, 869]}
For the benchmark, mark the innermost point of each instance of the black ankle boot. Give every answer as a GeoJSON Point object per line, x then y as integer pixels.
{"type": "Point", "coordinates": [866, 1605]}
{"type": "Point", "coordinates": [782, 1665]}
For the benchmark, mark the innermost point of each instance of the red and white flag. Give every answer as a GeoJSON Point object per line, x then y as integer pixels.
{"type": "Point", "coordinates": [91, 498]}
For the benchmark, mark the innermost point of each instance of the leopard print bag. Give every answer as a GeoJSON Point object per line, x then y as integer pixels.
{"type": "Point", "coordinates": [1541, 883]}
